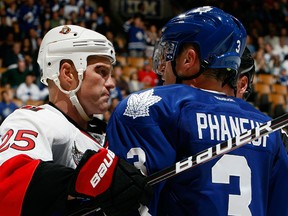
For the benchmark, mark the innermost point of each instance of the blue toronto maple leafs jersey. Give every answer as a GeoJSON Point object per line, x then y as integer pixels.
{"type": "Point", "coordinates": [157, 127]}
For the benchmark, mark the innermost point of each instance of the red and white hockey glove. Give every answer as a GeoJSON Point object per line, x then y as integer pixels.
{"type": "Point", "coordinates": [116, 186]}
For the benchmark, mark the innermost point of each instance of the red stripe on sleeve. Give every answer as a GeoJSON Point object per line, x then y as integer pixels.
{"type": "Point", "coordinates": [15, 176]}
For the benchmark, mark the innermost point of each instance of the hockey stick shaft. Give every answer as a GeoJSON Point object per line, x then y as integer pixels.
{"type": "Point", "coordinates": [219, 149]}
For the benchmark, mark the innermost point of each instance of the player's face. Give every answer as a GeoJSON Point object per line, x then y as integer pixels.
{"type": "Point", "coordinates": [97, 83]}
{"type": "Point", "coordinates": [186, 65]}
{"type": "Point", "coordinates": [168, 76]}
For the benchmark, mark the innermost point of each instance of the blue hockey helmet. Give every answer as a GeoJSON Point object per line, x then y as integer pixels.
{"type": "Point", "coordinates": [220, 38]}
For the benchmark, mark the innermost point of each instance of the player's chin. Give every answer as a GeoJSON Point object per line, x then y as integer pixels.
{"type": "Point", "coordinates": [99, 108]}
{"type": "Point", "coordinates": [104, 106]}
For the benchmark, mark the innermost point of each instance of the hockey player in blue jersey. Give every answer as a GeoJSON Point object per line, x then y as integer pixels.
{"type": "Point", "coordinates": [157, 127]}
{"type": "Point", "coordinates": [244, 84]}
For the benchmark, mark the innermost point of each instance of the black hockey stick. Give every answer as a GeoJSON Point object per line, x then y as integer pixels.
{"type": "Point", "coordinates": [219, 149]}
{"type": "Point", "coordinates": [208, 154]}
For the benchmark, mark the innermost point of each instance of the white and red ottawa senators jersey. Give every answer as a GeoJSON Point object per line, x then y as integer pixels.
{"type": "Point", "coordinates": [44, 133]}
{"type": "Point", "coordinates": [39, 146]}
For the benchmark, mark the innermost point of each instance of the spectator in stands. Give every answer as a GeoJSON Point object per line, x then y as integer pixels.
{"type": "Point", "coordinates": [284, 64]}
{"type": "Point", "coordinates": [4, 29]}
{"type": "Point", "coordinates": [73, 18]}
{"type": "Point", "coordinates": [81, 16]}
{"type": "Point", "coordinates": [88, 8]}
{"type": "Point", "coordinates": [281, 49]}
{"type": "Point", "coordinates": [56, 19]}
{"type": "Point", "coordinates": [6, 46]}
{"type": "Point", "coordinates": [260, 42]}
{"type": "Point", "coordinates": [260, 63]}
{"type": "Point", "coordinates": [268, 55]}
{"type": "Point", "coordinates": [56, 5]}
{"type": "Point", "coordinates": [15, 76]}
{"type": "Point", "coordinates": [70, 8]}
{"type": "Point", "coordinates": [28, 17]}
{"type": "Point", "coordinates": [11, 13]}
{"type": "Point", "coordinates": [16, 31]}
{"type": "Point", "coordinates": [275, 65]}
{"type": "Point", "coordinates": [45, 14]}
{"type": "Point", "coordinates": [283, 29]}
{"type": "Point", "coordinates": [250, 44]}
{"type": "Point", "coordinates": [272, 37]}
{"type": "Point", "coordinates": [33, 36]}
{"type": "Point", "coordinates": [111, 37]}
{"type": "Point", "coordinates": [12, 56]}
{"type": "Point", "coordinates": [100, 14]}
{"type": "Point", "coordinates": [91, 22]}
{"type": "Point", "coordinates": [7, 106]}
{"type": "Point", "coordinates": [283, 77]}
{"type": "Point", "coordinates": [134, 83]}
{"type": "Point", "coordinates": [26, 50]}
{"type": "Point", "coordinates": [255, 35]}
{"type": "Point", "coordinates": [151, 39]}
{"type": "Point", "coordinates": [28, 90]}
{"type": "Point", "coordinates": [106, 26]}
{"type": "Point", "coordinates": [45, 27]}
{"type": "Point", "coordinates": [120, 81]}
{"type": "Point", "coordinates": [148, 77]}
{"type": "Point", "coordinates": [135, 29]}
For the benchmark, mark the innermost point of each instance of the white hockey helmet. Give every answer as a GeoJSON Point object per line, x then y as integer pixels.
{"type": "Point", "coordinates": [71, 42]}
{"type": "Point", "coordinates": [74, 43]}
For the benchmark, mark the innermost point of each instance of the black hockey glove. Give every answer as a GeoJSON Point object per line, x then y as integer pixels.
{"type": "Point", "coordinates": [116, 186]}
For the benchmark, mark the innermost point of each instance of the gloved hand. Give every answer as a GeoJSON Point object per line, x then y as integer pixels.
{"type": "Point", "coordinates": [115, 185]}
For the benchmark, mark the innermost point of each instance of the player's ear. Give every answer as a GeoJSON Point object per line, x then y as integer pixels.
{"type": "Point", "coordinates": [67, 75]}
{"type": "Point", "coordinates": [191, 61]}
{"type": "Point", "coordinates": [242, 84]}
{"type": "Point", "coordinates": [66, 69]}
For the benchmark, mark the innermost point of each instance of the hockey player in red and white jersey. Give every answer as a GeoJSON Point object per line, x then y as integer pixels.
{"type": "Point", "coordinates": [53, 157]}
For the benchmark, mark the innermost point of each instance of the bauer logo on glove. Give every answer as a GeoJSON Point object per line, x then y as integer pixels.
{"type": "Point", "coordinates": [95, 172]}
{"type": "Point", "coordinates": [103, 168]}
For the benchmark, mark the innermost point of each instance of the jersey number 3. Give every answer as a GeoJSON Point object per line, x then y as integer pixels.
{"type": "Point", "coordinates": [228, 165]}
{"type": "Point", "coordinates": [233, 165]}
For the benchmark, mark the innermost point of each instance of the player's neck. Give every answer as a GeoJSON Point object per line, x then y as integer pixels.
{"type": "Point", "coordinates": [66, 107]}
{"type": "Point", "coordinates": [208, 84]}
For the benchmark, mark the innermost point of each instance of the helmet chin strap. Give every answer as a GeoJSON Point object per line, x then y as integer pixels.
{"type": "Point", "coordinates": [74, 100]}
{"type": "Point", "coordinates": [72, 95]}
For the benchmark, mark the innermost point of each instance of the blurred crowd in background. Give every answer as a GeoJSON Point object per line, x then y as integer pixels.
{"type": "Point", "coordinates": [24, 22]}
